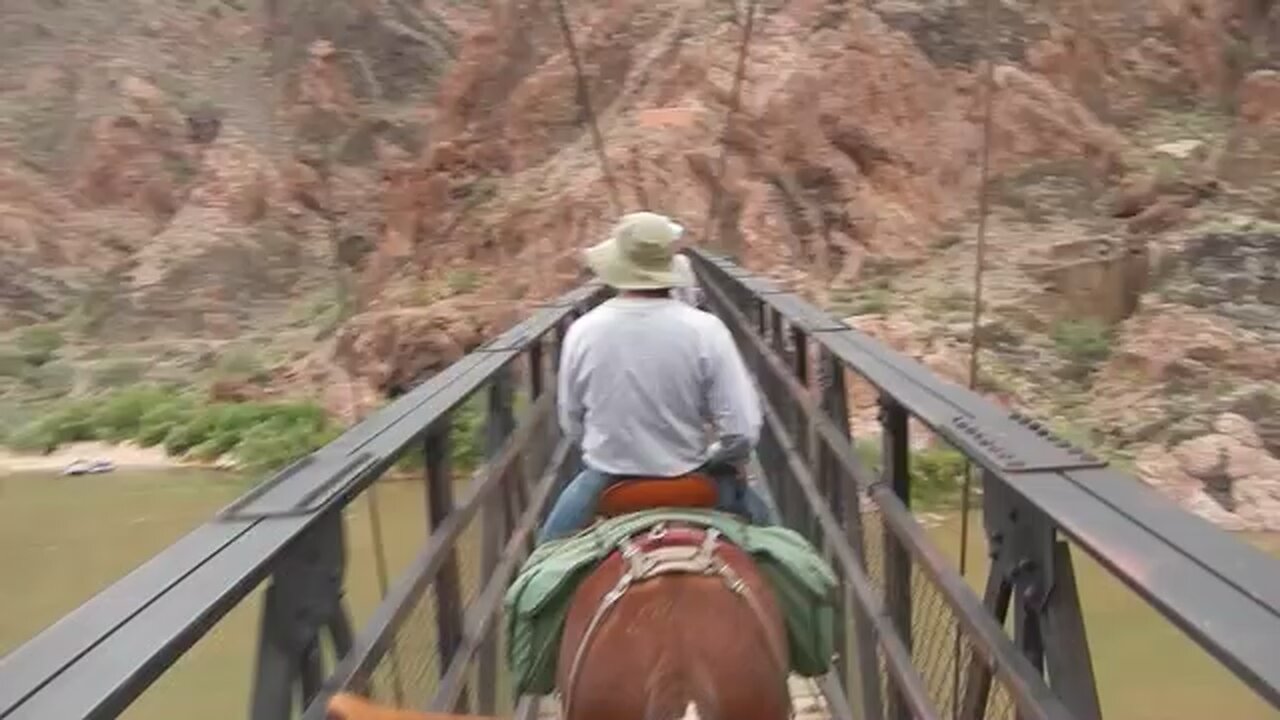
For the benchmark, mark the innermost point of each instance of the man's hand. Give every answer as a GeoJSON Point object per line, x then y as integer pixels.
{"type": "Point", "coordinates": [731, 451]}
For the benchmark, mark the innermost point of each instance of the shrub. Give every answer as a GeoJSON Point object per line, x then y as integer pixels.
{"type": "Point", "coordinates": [876, 301]}
{"type": "Point", "coordinates": [466, 441]}
{"type": "Point", "coordinates": [12, 418]}
{"type": "Point", "coordinates": [199, 427]}
{"type": "Point", "coordinates": [462, 281]}
{"type": "Point", "coordinates": [279, 441]}
{"type": "Point", "coordinates": [118, 373]}
{"type": "Point", "coordinates": [119, 416]}
{"type": "Point", "coordinates": [240, 364]}
{"type": "Point", "coordinates": [51, 380]}
{"type": "Point", "coordinates": [936, 473]}
{"type": "Point", "coordinates": [261, 436]}
{"type": "Point", "coordinates": [39, 344]}
{"type": "Point", "coordinates": [156, 424]}
{"type": "Point", "coordinates": [466, 437]}
{"type": "Point", "coordinates": [12, 363]}
{"type": "Point", "coordinates": [69, 422]}
{"type": "Point", "coordinates": [1083, 344]}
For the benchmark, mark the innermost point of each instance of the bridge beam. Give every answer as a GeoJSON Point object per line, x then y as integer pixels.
{"type": "Point", "coordinates": [303, 599]}
{"type": "Point", "coordinates": [1032, 571]}
{"type": "Point", "coordinates": [896, 474]}
{"type": "Point", "coordinates": [861, 682]}
{"type": "Point", "coordinates": [448, 586]}
{"type": "Point", "coordinates": [499, 518]}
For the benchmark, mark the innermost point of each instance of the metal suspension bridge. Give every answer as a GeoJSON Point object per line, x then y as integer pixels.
{"type": "Point", "coordinates": [916, 641]}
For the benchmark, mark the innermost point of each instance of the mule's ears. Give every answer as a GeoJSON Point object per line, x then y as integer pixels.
{"type": "Point", "coordinates": [345, 706]}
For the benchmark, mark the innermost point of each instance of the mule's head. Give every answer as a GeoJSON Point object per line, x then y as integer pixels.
{"type": "Point", "coordinates": [345, 706]}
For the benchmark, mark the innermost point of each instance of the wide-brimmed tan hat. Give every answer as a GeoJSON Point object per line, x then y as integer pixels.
{"type": "Point", "coordinates": [639, 254]}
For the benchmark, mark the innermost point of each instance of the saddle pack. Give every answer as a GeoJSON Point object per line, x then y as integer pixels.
{"type": "Point", "coordinates": [538, 600]}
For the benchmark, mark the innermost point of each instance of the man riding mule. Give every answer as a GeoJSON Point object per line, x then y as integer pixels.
{"type": "Point", "coordinates": [642, 376]}
{"type": "Point", "coordinates": [684, 599]}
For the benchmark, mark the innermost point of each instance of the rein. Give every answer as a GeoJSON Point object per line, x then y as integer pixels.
{"type": "Point", "coordinates": [643, 565]}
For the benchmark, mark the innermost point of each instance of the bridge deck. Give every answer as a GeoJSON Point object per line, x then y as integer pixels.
{"type": "Point", "coordinates": [807, 702]}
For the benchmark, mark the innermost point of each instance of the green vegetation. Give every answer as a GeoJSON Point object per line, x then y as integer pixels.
{"type": "Point", "coordinates": [462, 281]}
{"type": "Point", "coordinates": [49, 381]}
{"type": "Point", "coordinates": [951, 301]}
{"type": "Point", "coordinates": [466, 440]}
{"type": "Point", "coordinates": [39, 344]}
{"type": "Point", "coordinates": [259, 436]}
{"type": "Point", "coordinates": [937, 473]}
{"type": "Point", "coordinates": [874, 299]}
{"type": "Point", "coordinates": [874, 302]}
{"type": "Point", "coordinates": [320, 310]}
{"type": "Point", "coordinates": [12, 364]}
{"type": "Point", "coordinates": [90, 311]}
{"type": "Point", "coordinates": [117, 373]}
{"type": "Point", "coordinates": [11, 417]}
{"type": "Point", "coordinates": [32, 363]}
{"type": "Point", "coordinates": [241, 364]}
{"type": "Point", "coordinates": [999, 334]}
{"type": "Point", "coordinates": [1083, 343]}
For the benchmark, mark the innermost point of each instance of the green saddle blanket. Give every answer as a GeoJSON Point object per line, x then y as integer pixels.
{"type": "Point", "coordinates": [538, 600]}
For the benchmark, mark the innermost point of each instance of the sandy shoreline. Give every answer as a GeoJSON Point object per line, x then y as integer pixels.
{"type": "Point", "coordinates": [125, 456]}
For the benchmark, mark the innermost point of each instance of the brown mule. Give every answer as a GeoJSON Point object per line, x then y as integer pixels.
{"type": "Point", "coordinates": [695, 626]}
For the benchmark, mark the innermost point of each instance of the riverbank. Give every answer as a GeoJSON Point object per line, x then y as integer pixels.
{"type": "Point", "coordinates": [124, 456]}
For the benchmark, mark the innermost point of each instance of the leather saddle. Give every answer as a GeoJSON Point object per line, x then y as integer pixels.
{"type": "Point", "coordinates": [637, 494]}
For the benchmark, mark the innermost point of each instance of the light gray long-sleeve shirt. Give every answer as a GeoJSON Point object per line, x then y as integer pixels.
{"type": "Point", "coordinates": [640, 380]}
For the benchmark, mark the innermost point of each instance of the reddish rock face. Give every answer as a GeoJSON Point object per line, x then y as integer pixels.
{"type": "Point", "coordinates": [854, 138]}
{"type": "Point", "coordinates": [1226, 476]}
{"type": "Point", "coordinates": [1259, 97]}
{"type": "Point", "coordinates": [395, 349]}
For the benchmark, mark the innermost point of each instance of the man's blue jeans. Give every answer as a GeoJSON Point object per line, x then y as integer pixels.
{"type": "Point", "coordinates": [577, 502]}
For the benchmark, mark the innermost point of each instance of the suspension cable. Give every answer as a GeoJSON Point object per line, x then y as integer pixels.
{"type": "Point", "coordinates": [713, 209]}
{"type": "Point", "coordinates": [375, 532]}
{"type": "Point", "coordinates": [979, 265]}
{"type": "Point", "coordinates": [980, 253]}
{"type": "Point", "coordinates": [584, 102]}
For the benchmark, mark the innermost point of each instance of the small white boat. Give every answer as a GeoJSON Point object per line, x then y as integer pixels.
{"type": "Point", "coordinates": [88, 467]}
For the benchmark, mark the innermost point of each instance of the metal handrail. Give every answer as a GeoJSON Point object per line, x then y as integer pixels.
{"type": "Point", "coordinates": [1177, 562]}
{"type": "Point", "coordinates": [97, 659]}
